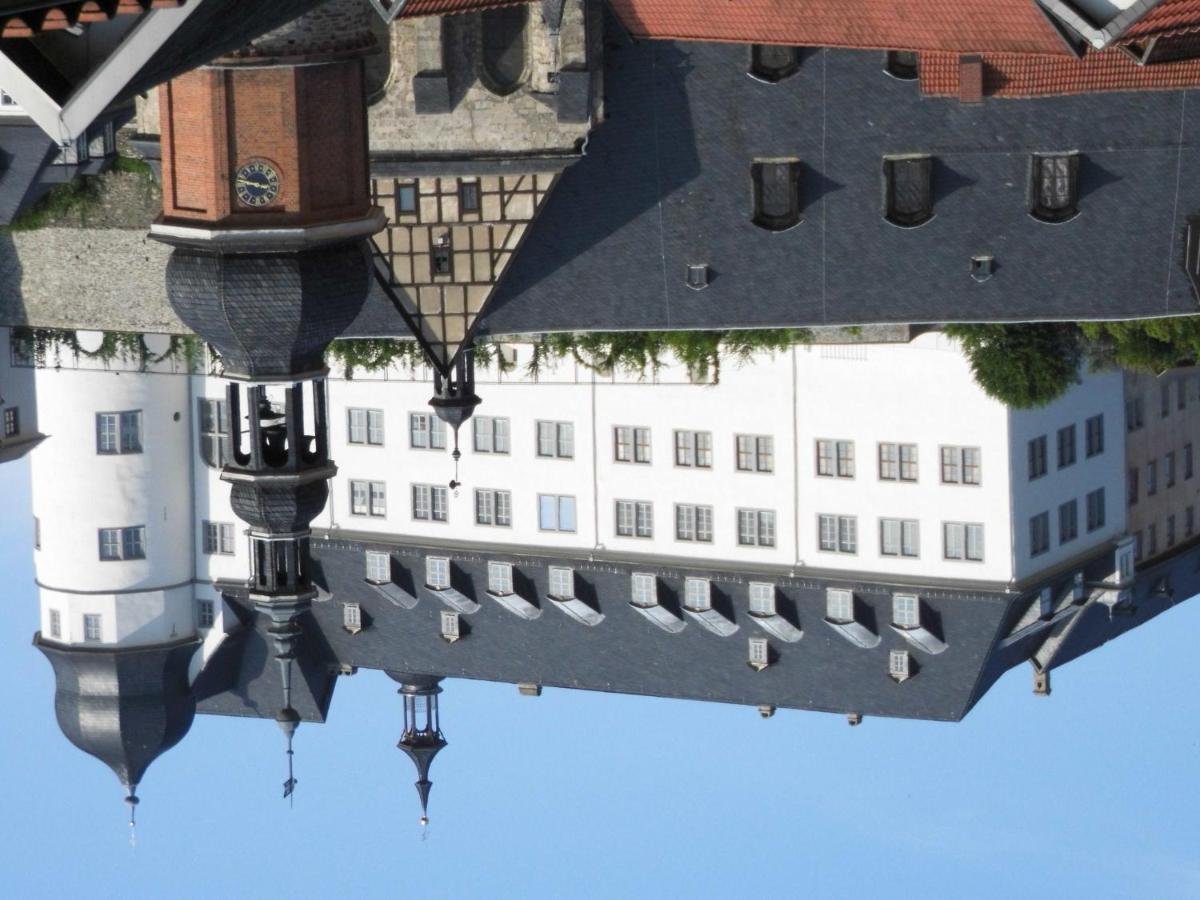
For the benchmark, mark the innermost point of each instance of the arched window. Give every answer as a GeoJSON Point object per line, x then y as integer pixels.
{"type": "Point", "coordinates": [1054, 187]}
{"type": "Point", "coordinates": [772, 62]}
{"type": "Point", "coordinates": [907, 190]}
{"type": "Point", "coordinates": [503, 37]}
{"type": "Point", "coordinates": [902, 64]}
{"type": "Point", "coordinates": [776, 193]}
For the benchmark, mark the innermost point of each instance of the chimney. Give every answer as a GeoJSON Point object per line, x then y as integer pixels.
{"type": "Point", "coordinates": [970, 79]}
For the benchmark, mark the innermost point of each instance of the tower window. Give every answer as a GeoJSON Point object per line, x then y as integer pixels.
{"type": "Point", "coordinates": [91, 628]}
{"type": "Point", "coordinates": [119, 432]}
{"type": "Point", "coordinates": [907, 190]}
{"type": "Point", "coordinates": [504, 55]}
{"type": "Point", "coordinates": [12, 422]}
{"type": "Point", "coordinates": [123, 543]}
{"type": "Point", "coordinates": [55, 623]}
{"type": "Point", "coordinates": [902, 64]}
{"type": "Point", "coordinates": [205, 613]}
{"type": "Point", "coordinates": [772, 62]}
{"type": "Point", "coordinates": [1054, 187]}
{"type": "Point", "coordinates": [776, 194]}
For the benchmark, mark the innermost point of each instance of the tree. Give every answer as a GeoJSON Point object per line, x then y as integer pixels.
{"type": "Point", "coordinates": [1024, 365]}
{"type": "Point", "coordinates": [1145, 345]}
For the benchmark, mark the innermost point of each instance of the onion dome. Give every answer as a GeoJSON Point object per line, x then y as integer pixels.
{"type": "Point", "coordinates": [279, 510]}
{"type": "Point", "coordinates": [126, 707]}
{"type": "Point", "coordinates": [269, 315]}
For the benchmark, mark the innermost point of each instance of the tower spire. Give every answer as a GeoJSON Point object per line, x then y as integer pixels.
{"type": "Point", "coordinates": [132, 801]}
{"type": "Point", "coordinates": [422, 737]}
{"type": "Point", "coordinates": [454, 398]}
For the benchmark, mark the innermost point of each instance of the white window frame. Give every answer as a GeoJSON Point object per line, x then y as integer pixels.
{"type": "Point", "coordinates": [839, 605]}
{"type": "Point", "coordinates": [634, 518]}
{"type": "Point", "coordinates": [430, 503]}
{"type": "Point", "coordinates": [693, 449]}
{"type": "Point", "coordinates": [907, 534]}
{"type": "Point", "coordinates": [755, 453]}
{"type": "Point", "coordinates": [643, 589]}
{"type": "Point", "coordinates": [697, 594]}
{"type": "Point", "coordinates": [690, 522]}
{"type": "Point", "coordinates": [368, 430]}
{"type": "Point", "coordinates": [899, 664]}
{"type": "Point", "coordinates": [492, 434]}
{"type": "Point", "coordinates": [562, 582]}
{"type": "Point", "coordinates": [762, 598]}
{"type": "Point", "coordinates": [953, 461]}
{"type": "Point", "coordinates": [426, 431]}
{"type": "Point", "coordinates": [558, 504]}
{"type": "Point", "coordinates": [756, 527]}
{"type": "Point", "coordinates": [93, 628]}
{"type": "Point", "coordinates": [437, 572]}
{"type": "Point", "coordinates": [500, 578]}
{"type": "Point", "coordinates": [906, 610]}
{"type": "Point", "coordinates": [555, 440]}
{"type": "Point", "coordinates": [378, 566]}
{"type": "Point", "coordinates": [843, 538]}
{"type": "Point", "coordinates": [957, 541]}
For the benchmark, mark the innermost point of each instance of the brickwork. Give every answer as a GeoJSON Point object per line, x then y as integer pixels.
{"type": "Point", "coordinates": [193, 138]}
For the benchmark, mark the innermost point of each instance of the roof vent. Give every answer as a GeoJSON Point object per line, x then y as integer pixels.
{"type": "Point", "coordinates": [697, 277]}
{"type": "Point", "coordinates": [970, 79]}
{"type": "Point", "coordinates": [982, 266]}
{"type": "Point", "coordinates": [766, 710]}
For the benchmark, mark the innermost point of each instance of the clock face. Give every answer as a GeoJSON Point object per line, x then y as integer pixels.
{"type": "Point", "coordinates": [257, 183]}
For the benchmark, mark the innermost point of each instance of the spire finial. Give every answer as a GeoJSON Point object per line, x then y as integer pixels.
{"type": "Point", "coordinates": [132, 802]}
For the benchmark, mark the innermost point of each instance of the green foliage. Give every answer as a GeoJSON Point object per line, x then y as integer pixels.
{"type": "Point", "coordinates": [78, 195]}
{"type": "Point", "coordinates": [1144, 345]}
{"type": "Point", "coordinates": [132, 166]}
{"type": "Point", "coordinates": [1023, 365]}
{"type": "Point", "coordinates": [373, 354]}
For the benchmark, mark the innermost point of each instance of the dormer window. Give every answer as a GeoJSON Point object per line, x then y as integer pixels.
{"type": "Point", "coordinates": [500, 578]}
{"type": "Point", "coordinates": [697, 594]}
{"type": "Point", "coordinates": [776, 193]}
{"type": "Point", "coordinates": [352, 617]}
{"type": "Point", "coordinates": [759, 654]}
{"type": "Point", "coordinates": [907, 190]}
{"type": "Point", "coordinates": [562, 583]}
{"type": "Point", "coordinates": [839, 605]}
{"type": "Point", "coordinates": [379, 567]}
{"type": "Point", "coordinates": [762, 598]}
{"type": "Point", "coordinates": [899, 665]}
{"type": "Point", "coordinates": [773, 63]}
{"type": "Point", "coordinates": [1054, 187]}
{"type": "Point", "coordinates": [644, 589]}
{"type": "Point", "coordinates": [901, 64]}
{"type": "Point", "coordinates": [437, 572]}
{"type": "Point", "coordinates": [906, 610]}
{"type": "Point", "coordinates": [451, 626]}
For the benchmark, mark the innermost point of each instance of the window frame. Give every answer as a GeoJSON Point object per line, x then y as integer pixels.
{"type": "Point", "coordinates": [561, 430]}
{"type": "Point", "coordinates": [840, 530]}
{"type": "Point", "coordinates": [121, 445]}
{"type": "Point", "coordinates": [914, 173]}
{"type": "Point", "coordinates": [558, 506]}
{"type": "Point", "coordinates": [905, 528]}
{"type": "Point", "coordinates": [965, 530]}
{"type": "Point", "coordinates": [764, 523]}
{"type": "Point", "coordinates": [959, 464]}
{"type": "Point", "coordinates": [500, 578]}
{"type": "Point", "coordinates": [1042, 207]}
{"type": "Point", "coordinates": [492, 436]}
{"type": "Point", "coordinates": [1094, 435]}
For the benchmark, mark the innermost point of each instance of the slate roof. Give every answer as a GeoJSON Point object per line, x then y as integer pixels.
{"type": "Point", "coordinates": [25, 151]}
{"type": "Point", "coordinates": [666, 184]}
{"type": "Point", "coordinates": [1018, 26]}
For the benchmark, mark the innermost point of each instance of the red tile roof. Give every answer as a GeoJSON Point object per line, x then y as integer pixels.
{"type": "Point", "coordinates": [1015, 75]}
{"type": "Point", "coordinates": [1016, 26]}
{"type": "Point", "coordinates": [1168, 17]}
{"type": "Point", "coordinates": [447, 7]}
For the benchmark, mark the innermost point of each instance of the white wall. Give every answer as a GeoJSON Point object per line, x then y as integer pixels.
{"type": "Point", "coordinates": [130, 620]}
{"type": "Point", "coordinates": [16, 391]}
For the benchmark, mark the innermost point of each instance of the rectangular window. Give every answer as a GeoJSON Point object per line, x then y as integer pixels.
{"type": "Point", "coordinates": [205, 614]}
{"type": "Point", "coordinates": [899, 537]}
{"type": "Point", "coordinates": [1066, 446]}
{"type": "Point", "coordinates": [491, 434]}
{"type": "Point", "coordinates": [91, 628]}
{"type": "Point", "coordinates": [756, 527]}
{"type": "Point", "coordinates": [1151, 478]}
{"type": "Point", "coordinates": [755, 453]}
{"type": "Point", "coordinates": [12, 422]}
{"type": "Point", "coordinates": [379, 567]}
{"type": "Point", "coordinates": [631, 444]}
{"type": "Point", "coordinates": [643, 589]}
{"type": "Point", "coordinates": [468, 196]}
{"type": "Point", "coordinates": [352, 617]}
{"type": "Point", "coordinates": [697, 594]}
{"type": "Point", "coordinates": [1095, 435]}
{"type": "Point", "coordinates": [500, 578]}
{"type": "Point", "coordinates": [1095, 509]}
{"type": "Point", "coordinates": [426, 432]}
{"type": "Point", "coordinates": [1039, 534]}
{"type": "Point", "coordinates": [493, 507]}
{"type": "Point", "coordinates": [215, 444]}
{"type": "Point", "coordinates": [430, 502]}
{"type": "Point", "coordinates": [378, 498]}
{"type": "Point", "coordinates": [962, 540]}
{"type": "Point", "coordinates": [110, 543]}
{"type": "Point", "coordinates": [368, 498]}
{"type": "Point", "coordinates": [366, 426]}
{"type": "Point", "coordinates": [119, 432]}
{"type": "Point", "coordinates": [1134, 413]}
{"type": "Point", "coordinates": [1169, 466]}
{"type": "Point", "coordinates": [556, 440]}
{"type": "Point", "coordinates": [1164, 405]}
{"type": "Point", "coordinates": [556, 513]}
{"type": "Point", "coordinates": [1037, 457]}
{"type": "Point", "coordinates": [437, 572]}
{"type": "Point", "coordinates": [1131, 483]}
{"type": "Point", "coordinates": [55, 623]}
{"type": "Point", "coordinates": [1068, 521]}
{"type": "Point", "coordinates": [123, 543]}
{"type": "Point", "coordinates": [762, 598]}
{"type": "Point", "coordinates": [562, 582]}
{"type": "Point", "coordinates": [218, 538]}
{"type": "Point", "coordinates": [406, 198]}
{"type": "Point", "coordinates": [839, 605]}
{"type": "Point", "coordinates": [898, 462]}
{"type": "Point", "coordinates": [635, 518]}
{"type": "Point", "coordinates": [838, 534]}
{"type": "Point", "coordinates": [693, 449]}
{"type": "Point", "coordinates": [693, 523]}
{"type": "Point", "coordinates": [906, 610]}
{"type": "Point", "coordinates": [960, 465]}
{"type": "Point", "coordinates": [898, 664]}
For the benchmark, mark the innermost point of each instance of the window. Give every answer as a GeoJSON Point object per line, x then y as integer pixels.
{"type": "Point", "coordinates": [693, 449]}
{"type": "Point", "coordinates": [366, 426]}
{"type": "Point", "coordinates": [379, 567]}
{"type": "Point", "coordinates": [759, 653]}
{"type": "Point", "coordinates": [776, 186]}
{"type": "Point", "coordinates": [635, 518]}
{"type": "Point", "coordinates": [493, 507]}
{"type": "Point", "coordinates": [755, 453]}
{"type": "Point", "coordinates": [352, 617]}
{"type": "Point", "coordinates": [119, 432]}
{"type": "Point", "coordinates": [556, 513]}
{"type": "Point", "coordinates": [907, 182]}
{"type": "Point", "coordinates": [1095, 509]}
{"type": "Point", "coordinates": [762, 598]}
{"type": "Point", "coordinates": [1066, 446]}
{"type": "Point", "coordinates": [12, 422]}
{"type": "Point", "coordinates": [1187, 461]}
{"type": "Point", "coordinates": [898, 462]}
{"type": "Point", "coordinates": [500, 578]}
{"type": "Point", "coordinates": [556, 440]}
{"type": "Point", "coordinates": [1169, 465]}
{"type": "Point", "coordinates": [440, 257]}
{"type": "Point", "coordinates": [91, 628]}
{"type": "Point", "coordinates": [218, 538]}
{"type": "Point", "coordinates": [429, 502]}
{"type": "Point", "coordinates": [491, 435]}
{"type": "Point", "coordinates": [503, 56]}
{"type": "Point", "coordinates": [406, 198]}
{"type": "Point", "coordinates": [1094, 428]}
{"type": "Point", "coordinates": [1134, 413]}
{"type": "Point", "coordinates": [962, 540]}
{"type": "Point", "coordinates": [215, 445]}
{"type": "Point", "coordinates": [835, 459]}
{"type": "Point", "coordinates": [123, 543]}
{"type": "Point", "coordinates": [643, 589]}
{"type": "Point", "coordinates": [693, 523]}
{"type": "Point", "coordinates": [55, 623]}
{"type": "Point", "coordinates": [838, 534]}
{"type": "Point", "coordinates": [1039, 534]}
{"type": "Point", "coordinates": [468, 196]}
{"type": "Point", "coordinates": [906, 610]}
{"type": "Point", "coordinates": [1151, 478]}
{"type": "Point", "coordinates": [631, 444]}
{"type": "Point", "coordinates": [426, 432]}
{"type": "Point", "coordinates": [1068, 521]}
{"type": "Point", "coordinates": [368, 498]}
{"type": "Point", "coordinates": [899, 537]}
{"type": "Point", "coordinates": [1053, 187]}
{"type": "Point", "coordinates": [772, 62]}
{"type": "Point", "coordinates": [899, 664]}
{"type": "Point", "coordinates": [1164, 406]}
{"type": "Point", "coordinates": [1037, 457]}
{"type": "Point", "coordinates": [697, 594]}
{"type": "Point", "coordinates": [960, 465]}
{"type": "Point", "coordinates": [1131, 483]}
{"type": "Point", "coordinates": [205, 614]}
{"type": "Point", "coordinates": [437, 572]}
{"type": "Point", "coordinates": [756, 527]}
{"type": "Point", "coordinates": [562, 582]}
{"type": "Point", "coordinates": [839, 605]}
{"type": "Point", "coordinates": [1180, 394]}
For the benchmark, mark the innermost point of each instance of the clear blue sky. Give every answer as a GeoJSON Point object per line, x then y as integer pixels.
{"type": "Point", "coordinates": [1090, 793]}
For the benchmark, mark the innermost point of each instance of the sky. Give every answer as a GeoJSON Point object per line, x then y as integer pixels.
{"type": "Point", "coordinates": [1090, 792]}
